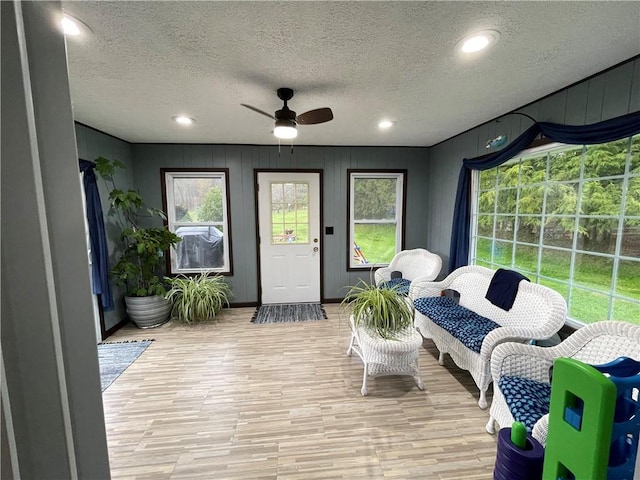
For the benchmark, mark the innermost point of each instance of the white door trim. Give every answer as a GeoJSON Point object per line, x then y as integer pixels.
{"type": "Point", "coordinates": [309, 252]}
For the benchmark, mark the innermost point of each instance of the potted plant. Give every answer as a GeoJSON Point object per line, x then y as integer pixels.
{"type": "Point", "coordinates": [142, 258]}
{"type": "Point", "coordinates": [381, 310]}
{"type": "Point", "coordinates": [199, 298]}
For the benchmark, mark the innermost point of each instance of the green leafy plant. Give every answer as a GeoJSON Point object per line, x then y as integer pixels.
{"type": "Point", "coordinates": [138, 266]}
{"type": "Point", "coordinates": [382, 310]}
{"type": "Point", "coordinates": [198, 298]}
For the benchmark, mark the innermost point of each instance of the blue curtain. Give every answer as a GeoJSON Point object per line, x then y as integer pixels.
{"type": "Point", "coordinates": [601, 132]}
{"type": "Point", "coordinates": [99, 251]}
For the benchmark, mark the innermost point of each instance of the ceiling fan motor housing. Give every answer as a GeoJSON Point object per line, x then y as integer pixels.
{"type": "Point", "coordinates": [285, 117]}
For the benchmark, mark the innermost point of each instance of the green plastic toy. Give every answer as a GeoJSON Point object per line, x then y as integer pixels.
{"type": "Point", "coordinates": [581, 414]}
{"type": "Point", "coordinates": [519, 435]}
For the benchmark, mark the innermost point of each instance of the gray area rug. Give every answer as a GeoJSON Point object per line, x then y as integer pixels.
{"type": "Point", "coordinates": [284, 313]}
{"type": "Point", "coordinates": [115, 358]}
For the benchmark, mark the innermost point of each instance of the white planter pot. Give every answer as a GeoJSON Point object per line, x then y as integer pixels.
{"type": "Point", "coordinates": [148, 312]}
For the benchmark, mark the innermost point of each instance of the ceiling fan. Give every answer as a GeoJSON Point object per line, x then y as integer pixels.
{"type": "Point", "coordinates": [286, 120]}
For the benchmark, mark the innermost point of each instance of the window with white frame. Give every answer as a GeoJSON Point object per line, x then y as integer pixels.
{"type": "Point", "coordinates": [567, 217]}
{"type": "Point", "coordinates": [376, 207]}
{"type": "Point", "coordinates": [197, 206]}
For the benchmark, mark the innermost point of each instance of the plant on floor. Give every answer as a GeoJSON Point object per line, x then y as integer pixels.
{"type": "Point", "coordinates": [138, 266]}
{"type": "Point", "coordinates": [140, 262]}
{"type": "Point", "coordinates": [198, 298]}
{"type": "Point", "coordinates": [382, 310]}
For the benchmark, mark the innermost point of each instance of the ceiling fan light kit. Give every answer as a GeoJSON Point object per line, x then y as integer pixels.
{"type": "Point", "coordinates": [285, 129]}
{"type": "Point", "coordinates": [286, 120]}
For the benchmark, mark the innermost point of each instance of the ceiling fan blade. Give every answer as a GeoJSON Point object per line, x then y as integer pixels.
{"type": "Point", "coordinates": [258, 111]}
{"type": "Point", "coordinates": [319, 115]}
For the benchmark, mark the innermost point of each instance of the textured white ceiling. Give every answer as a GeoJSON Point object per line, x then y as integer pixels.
{"type": "Point", "coordinates": [147, 61]}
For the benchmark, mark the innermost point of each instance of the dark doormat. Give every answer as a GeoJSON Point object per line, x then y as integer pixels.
{"type": "Point", "coordinates": [285, 313]}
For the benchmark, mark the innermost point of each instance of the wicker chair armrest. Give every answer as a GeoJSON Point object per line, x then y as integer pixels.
{"type": "Point", "coordinates": [508, 334]}
{"type": "Point", "coordinates": [541, 429]}
{"type": "Point", "coordinates": [520, 360]}
{"type": "Point", "coordinates": [422, 288]}
{"type": "Point", "coordinates": [382, 274]}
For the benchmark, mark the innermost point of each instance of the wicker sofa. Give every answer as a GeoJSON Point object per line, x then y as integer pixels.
{"type": "Point", "coordinates": [537, 313]}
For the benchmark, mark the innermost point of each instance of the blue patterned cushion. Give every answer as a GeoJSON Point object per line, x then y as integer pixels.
{"type": "Point", "coordinates": [528, 400]}
{"type": "Point", "coordinates": [465, 325]}
{"type": "Point", "coordinates": [401, 285]}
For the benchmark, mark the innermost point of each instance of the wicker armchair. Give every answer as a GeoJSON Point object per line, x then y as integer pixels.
{"type": "Point", "coordinates": [416, 264]}
{"type": "Point", "coordinates": [595, 344]}
{"type": "Point", "coordinates": [537, 313]}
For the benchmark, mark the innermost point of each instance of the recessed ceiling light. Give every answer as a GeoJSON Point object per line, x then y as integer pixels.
{"type": "Point", "coordinates": [183, 120]}
{"type": "Point", "coordinates": [479, 41]}
{"type": "Point", "coordinates": [72, 26]}
{"type": "Point", "coordinates": [384, 124]}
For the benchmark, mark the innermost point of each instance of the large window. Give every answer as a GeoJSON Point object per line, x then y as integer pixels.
{"type": "Point", "coordinates": [197, 207]}
{"type": "Point", "coordinates": [376, 206]}
{"type": "Point", "coordinates": [567, 217]}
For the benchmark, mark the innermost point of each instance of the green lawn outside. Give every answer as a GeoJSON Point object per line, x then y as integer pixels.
{"type": "Point", "coordinates": [590, 271]}
{"type": "Point", "coordinates": [376, 241]}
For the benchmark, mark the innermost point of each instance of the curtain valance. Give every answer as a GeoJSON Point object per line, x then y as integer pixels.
{"type": "Point", "coordinates": [602, 132]}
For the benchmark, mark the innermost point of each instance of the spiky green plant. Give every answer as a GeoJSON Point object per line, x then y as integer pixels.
{"type": "Point", "coordinates": [199, 298]}
{"type": "Point", "coordinates": [382, 310]}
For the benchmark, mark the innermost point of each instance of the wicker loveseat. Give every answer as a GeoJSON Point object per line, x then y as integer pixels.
{"type": "Point", "coordinates": [537, 313]}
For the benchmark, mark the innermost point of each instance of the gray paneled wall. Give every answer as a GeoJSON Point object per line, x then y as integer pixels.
{"type": "Point", "coordinates": [431, 183]}
{"type": "Point", "coordinates": [91, 145]}
{"type": "Point", "coordinates": [608, 95]}
{"type": "Point", "coordinates": [242, 160]}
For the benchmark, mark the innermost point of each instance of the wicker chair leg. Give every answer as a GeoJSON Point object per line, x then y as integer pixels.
{"type": "Point", "coordinates": [482, 403]}
{"type": "Point", "coordinates": [490, 427]}
{"type": "Point", "coordinates": [441, 358]}
{"type": "Point", "coordinates": [353, 337]}
{"type": "Point", "coordinates": [364, 390]}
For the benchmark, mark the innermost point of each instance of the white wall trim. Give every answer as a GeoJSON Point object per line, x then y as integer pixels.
{"type": "Point", "coordinates": [8, 420]}
{"type": "Point", "coordinates": [46, 248]}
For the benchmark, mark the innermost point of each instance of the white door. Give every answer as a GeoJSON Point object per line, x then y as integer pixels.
{"type": "Point", "coordinates": [289, 235]}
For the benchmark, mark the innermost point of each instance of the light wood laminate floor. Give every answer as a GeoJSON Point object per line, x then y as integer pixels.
{"type": "Point", "coordinates": [233, 400]}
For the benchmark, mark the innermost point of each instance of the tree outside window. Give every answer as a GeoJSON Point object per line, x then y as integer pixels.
{"type": "Point", "coordinates": [568, 218]}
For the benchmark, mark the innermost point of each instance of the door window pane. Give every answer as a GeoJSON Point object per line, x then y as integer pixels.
{"type": "Point", "coordinates": [289, 213]}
